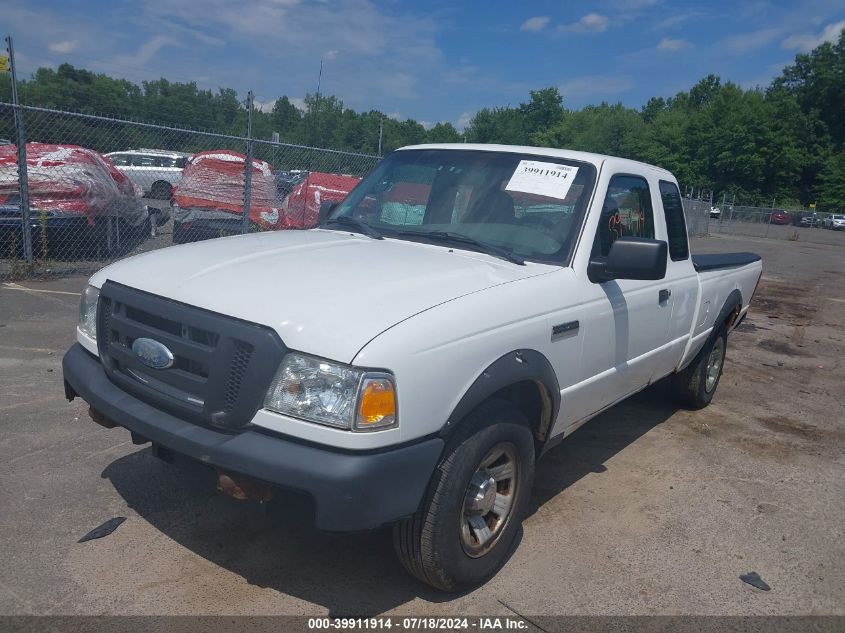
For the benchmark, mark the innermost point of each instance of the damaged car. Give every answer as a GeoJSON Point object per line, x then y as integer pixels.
{"type": "Point", "coordinates": [79, 203]}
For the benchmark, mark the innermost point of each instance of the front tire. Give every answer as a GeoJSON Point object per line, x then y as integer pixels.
{"type": "Point", "coordinates": [695, 385]}
{"type": "Point", "coordinates": [475, 503]}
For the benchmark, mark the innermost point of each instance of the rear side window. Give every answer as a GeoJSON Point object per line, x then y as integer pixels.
{"type": "Point", "coordinates": [143, 160]}
{"type": "Point", "coordinates": [676, 227]}
{"type": "Point", "coordinates": [626, 213]}
{"type": "Point", "coordinates": [120, 160]}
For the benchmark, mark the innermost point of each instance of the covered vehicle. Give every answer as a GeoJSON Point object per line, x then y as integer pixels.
{"type": "Point", "coordinates": [79, 202]}
{"type": "Point", "coordinates": [209, 201]}
{"type": "Point", "coordinates": [301, 206]}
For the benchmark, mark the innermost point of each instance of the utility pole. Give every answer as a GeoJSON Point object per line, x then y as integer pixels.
{"type": "Point", "coordinates": [317, 103]}
{"type": "Point", "coordinates": [247, 165]}
{"type": "Point", "coordinates": [380, 133]}
{"type": "Point", "coordinates": [23, 180]}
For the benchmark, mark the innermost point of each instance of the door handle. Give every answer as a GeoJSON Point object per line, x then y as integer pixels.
{"type": "Point", "coordinates": [664, 295]}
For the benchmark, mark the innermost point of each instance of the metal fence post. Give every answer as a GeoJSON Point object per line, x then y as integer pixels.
{"type": "Point", "coordinates": [248, 165]}
{"type": "Point", "coordinates": [23, 180]}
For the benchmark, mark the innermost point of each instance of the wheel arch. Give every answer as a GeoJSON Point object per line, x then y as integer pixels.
{"type": "Point", "coordinates": [524, 377]}
{"type": "Point", "coordinates": [730, 311]}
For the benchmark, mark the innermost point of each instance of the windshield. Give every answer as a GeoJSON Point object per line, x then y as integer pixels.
{"type": "Point", "coordinates": [525, 205]}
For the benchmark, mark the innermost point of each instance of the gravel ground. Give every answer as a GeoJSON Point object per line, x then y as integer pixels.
{"type": "Point", "coordinates": [647, 509]}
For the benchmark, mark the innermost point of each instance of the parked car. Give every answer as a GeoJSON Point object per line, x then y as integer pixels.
{"type": "Point", "coordinates": [835, 221]}
{"type": "Point", "coordinates": [156, 172]}
{"type": "Point", "coordinates": [715, 212]}
{"type": "Point", "coordinates": [209, 202]}
{"type": "Point", "coordinates": [779, 217]}
{"type": "Point", "coordinates": [411, 371]}
{"type": "Point", "coordinates": [805, 218]}
{"type": "Point", "coordinates": [80, 204]}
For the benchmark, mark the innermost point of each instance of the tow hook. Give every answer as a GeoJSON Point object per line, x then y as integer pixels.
{"type": "Point", "coordinates": [242, 487]}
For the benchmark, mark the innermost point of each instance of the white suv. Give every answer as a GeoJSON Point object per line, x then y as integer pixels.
{"type": "Point", "coordinates": [156, 172]}
{"type": "Point", "coordinates": [835, 222]}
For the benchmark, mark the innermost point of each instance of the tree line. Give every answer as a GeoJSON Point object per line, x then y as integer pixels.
{"type": "Point", "coordinates": [783, 143]}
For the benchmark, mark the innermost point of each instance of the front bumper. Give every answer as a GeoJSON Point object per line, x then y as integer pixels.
{"type": "Point", "coordinates": [351, 491]}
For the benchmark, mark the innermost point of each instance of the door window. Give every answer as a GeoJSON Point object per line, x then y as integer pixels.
{"type": "Point", "coordinates": [676, 227]}
{"type": "Point", "coordinates": [626, 212]}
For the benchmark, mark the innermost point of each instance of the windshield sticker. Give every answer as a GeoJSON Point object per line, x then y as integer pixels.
{"type": "Point", "coordinates": [545, 179]}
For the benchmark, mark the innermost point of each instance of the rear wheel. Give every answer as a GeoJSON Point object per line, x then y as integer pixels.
{"type": "Point", "coordinates": [694, 386]}
{"type": "Point", "coordinates": [161, 190]}
{"type": "Point", "coordinates": [472, 512]}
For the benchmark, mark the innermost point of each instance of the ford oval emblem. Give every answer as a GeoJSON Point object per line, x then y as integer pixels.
{"type": "Point", "coordinates": [152, 353]}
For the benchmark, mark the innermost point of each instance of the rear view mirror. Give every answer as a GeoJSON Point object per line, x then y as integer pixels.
{"type": "Point", "coordinates": [325, 210]}
{"type": "Point", "coordinates": [631, 258]}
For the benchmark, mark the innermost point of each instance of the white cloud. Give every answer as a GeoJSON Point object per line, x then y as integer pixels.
{"type": "Point", "coordinates": [396, 116]}
{"type": "Point", "coordinates": [537, 23]}
{"type": "Point", "coordinates": [805, 42]}
{"type": "Point", "coordinates": [68, 46]}
{"type": "Point", "coordinates": [635, 4]}
{"type": "Point", "coordinates": [145, 52]}
{"type": "Point", "coordinates": [352, 36]}
{"type": "Point", "coordinates": [590, 23]}
{"type": "Point", "coordinates": [298, 103]}
{"type": "Point", "coordinates": [464, 120]}
{"type": "Point", "coordinates": [671, 45]}
{"type": "Point", "coordinates": [746, 42]}
{"type": "Point", "coordinates": [595, 86]}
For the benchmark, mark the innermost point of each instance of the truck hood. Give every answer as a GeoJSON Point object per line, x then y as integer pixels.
{"type": "Point", "coordinates": [326, 293]}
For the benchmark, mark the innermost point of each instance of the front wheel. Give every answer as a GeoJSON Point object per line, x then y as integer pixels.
{"type": "Point", "coordinates": [695, 385]}
{"type": "Point", "coordinates": [473, 509]}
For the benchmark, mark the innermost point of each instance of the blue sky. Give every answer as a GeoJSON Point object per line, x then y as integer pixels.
{"type": "Point", "coordinates": [431, 60]}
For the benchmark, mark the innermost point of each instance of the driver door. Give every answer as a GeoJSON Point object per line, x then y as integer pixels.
{"type": "Point", "coordinates": [628, 319]}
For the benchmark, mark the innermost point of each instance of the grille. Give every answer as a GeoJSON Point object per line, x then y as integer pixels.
{"type": "Point", "coordinates": [221, 366]}
{"type": "Point", "coordinates": [237, 371]}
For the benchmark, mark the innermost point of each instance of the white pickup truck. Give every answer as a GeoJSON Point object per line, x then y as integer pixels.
{"type": "Point", "coordinates": [461, 311]}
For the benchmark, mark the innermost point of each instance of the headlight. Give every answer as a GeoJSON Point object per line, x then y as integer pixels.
{"type": "Point", "coordinates": [321, 391]}
{"type": "Point", "coordinates": [88, 311]}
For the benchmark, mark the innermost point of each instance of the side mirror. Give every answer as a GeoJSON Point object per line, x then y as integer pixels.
{"type": "Point", "coordinates": [631, 258]}
{"type": "Point", "coordinates": [325, 209]}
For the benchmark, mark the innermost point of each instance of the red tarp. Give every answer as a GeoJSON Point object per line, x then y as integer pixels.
{"type": "Point", "coordinates": [213, 181]}
{"type": "Point", "coordinates": [301, 207]}
{"type": "Point", "coordinates": [71, 179]}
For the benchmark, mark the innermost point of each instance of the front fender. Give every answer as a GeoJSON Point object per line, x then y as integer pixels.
{"type": "Point", "coordinates": [518, 366]}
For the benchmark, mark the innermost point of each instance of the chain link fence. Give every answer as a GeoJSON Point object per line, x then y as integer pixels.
{"type": "Point", "coordinates": [99, 189]}
{"type": "Point", "coordinates": [697, 215]}
{"type": "Point", "coordinates": [773, 223]}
